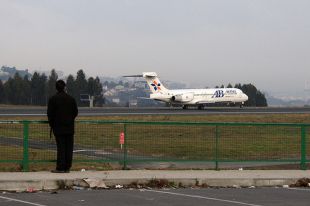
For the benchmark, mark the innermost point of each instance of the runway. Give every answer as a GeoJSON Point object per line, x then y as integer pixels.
{"type": "Point", "coordinates": [119, 111]}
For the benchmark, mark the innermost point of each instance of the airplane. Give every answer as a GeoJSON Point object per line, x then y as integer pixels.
{"type": "Point", "coordinates": [189, 97]}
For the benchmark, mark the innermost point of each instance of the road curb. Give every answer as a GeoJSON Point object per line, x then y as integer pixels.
{"type": "Point", "coordinates": [55, 184]}
{"type": "Point", "coordinates": [29, 181]}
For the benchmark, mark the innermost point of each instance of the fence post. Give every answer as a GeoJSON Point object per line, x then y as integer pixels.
{"type": "Point", "coordinates": [125, 148]}
{"type": "Point", "coordinates": [216, 147]}
{"type": "Point", "coordinates": [25, 144]}
{"type": "Point", "coordinates": [303, 164]}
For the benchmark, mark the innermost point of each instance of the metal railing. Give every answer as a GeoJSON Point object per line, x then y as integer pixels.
{"type": "Point", "coordinates": [130, 142]}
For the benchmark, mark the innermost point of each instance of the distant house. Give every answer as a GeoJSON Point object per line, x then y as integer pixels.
{"type": "Point", "coordinates": [7, 72]}
{"type": "Point", "coordinates": [110, 93]}
{"type": "Point", "coordinates": [119, 87]}
{"type": "Point", "coordinates": [116, 100]}
{"type": "Point", "coordinates": [140, 85]}
{"type": "Point", "coordinates": [104, 87]}
{"type": "Point", "coordinates": [133, 103]}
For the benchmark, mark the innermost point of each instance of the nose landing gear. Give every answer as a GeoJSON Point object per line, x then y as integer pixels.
{"type": "Point", "coordinates": [241, 105]}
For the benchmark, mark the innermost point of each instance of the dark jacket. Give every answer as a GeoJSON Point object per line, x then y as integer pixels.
{"type": "Point", "coordinates": [61, 112]}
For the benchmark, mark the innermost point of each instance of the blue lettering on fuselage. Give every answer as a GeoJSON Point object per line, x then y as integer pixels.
{"type": "Point", "coordinates": [218, 93]}
{"type": "Point", "coordinates": [231, 92]}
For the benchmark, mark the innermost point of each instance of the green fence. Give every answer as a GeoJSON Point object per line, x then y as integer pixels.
{"type": "Point", "coordinates": [216, 144]}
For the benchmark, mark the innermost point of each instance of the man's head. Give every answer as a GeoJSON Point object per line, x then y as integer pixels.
{"type": "Point", "coordinates": [60, 85]}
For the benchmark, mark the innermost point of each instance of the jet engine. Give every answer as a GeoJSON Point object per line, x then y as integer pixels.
{"type": "Point", "coordinates": [187, 97]}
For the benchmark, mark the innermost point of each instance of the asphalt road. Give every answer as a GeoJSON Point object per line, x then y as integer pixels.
{"type": "Point", "coordinates": [104, 111]}
{"type": "Point", "coordinates": [163, 197]}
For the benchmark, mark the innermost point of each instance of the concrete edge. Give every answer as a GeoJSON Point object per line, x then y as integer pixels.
{"type": "Point", "coordinates": [39, 185]}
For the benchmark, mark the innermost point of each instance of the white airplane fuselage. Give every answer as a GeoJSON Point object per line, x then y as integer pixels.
{"type": "Point", "coordinates": [201, 96]}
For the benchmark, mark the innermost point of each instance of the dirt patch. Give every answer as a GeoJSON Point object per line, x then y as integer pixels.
{"type": "Point", "coordinates": [304, 182]}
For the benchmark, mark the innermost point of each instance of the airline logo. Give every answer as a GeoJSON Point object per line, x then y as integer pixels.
{"type": "Point", "coordinates": [218, 94]}
{"type": "Point", "coordinates": [156, 85]}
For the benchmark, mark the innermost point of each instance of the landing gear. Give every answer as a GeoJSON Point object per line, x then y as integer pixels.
{"type": "Point", "coordinates": [201, 107]}
{"type": "Point", "coordinates": [185, 107]}
{"type": "Point", "coordinates": [241, 105]}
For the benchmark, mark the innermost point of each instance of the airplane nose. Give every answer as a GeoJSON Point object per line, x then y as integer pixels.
{"type": "Point", "coordinates": [246, 98]}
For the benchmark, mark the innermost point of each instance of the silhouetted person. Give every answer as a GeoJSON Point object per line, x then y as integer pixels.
{"type": "Point", "coordinates": [61, 112]}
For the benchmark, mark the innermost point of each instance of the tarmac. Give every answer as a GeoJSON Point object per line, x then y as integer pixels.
{"type": "Point", "coordinates": [36, 181]}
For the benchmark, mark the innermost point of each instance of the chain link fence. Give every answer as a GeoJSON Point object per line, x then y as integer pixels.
{"type": "Point", "coordinates": [147, 144]}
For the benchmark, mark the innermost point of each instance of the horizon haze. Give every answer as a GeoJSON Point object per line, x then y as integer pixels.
{"type": "Point", "coordinates": [200, 42]}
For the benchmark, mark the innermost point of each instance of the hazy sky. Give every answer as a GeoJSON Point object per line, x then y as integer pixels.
{"type": "Point", "coordinates": [205, 42]}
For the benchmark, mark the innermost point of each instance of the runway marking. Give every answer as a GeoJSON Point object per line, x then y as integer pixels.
{"type": "Point", "coordinates": [81, 150]}
{"type": "Point", "coordinates": [93, 150]}
{"type": "Point", "coordinates": [22, 114]}
{"type": "Point", "coordinates": [16, 200]}
{"type": "Point", "coordinates": [203, 197]}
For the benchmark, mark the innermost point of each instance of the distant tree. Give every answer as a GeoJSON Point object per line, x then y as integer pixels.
{"type": "Point", "coordinates": [51, 90]}
{"type": "Point", "coordinates": [238, 86]}
{"type": "Point", "coordinates": [81, 85]}
{"type": "Point", "coordinates": [261, 99]}
{"type": "Point", "coordinates": [98, 86]}
{"type": "Point", "coordinates": [105, 83]}
{"type": "Point", "coordinates": [38, 89]}
{"type": "Point", "coordinates": [34, 84]}
{"type": "Point", "coordinates": [256, 97]}
{"type": "Point", "coordinates": [222, 86]}
{"type": "Point", "coordinates": [8, 90]}
{"type": "Point", "coordinates": [250, 90]}
{"type": "Point", "coordinates": [91, 86]}
{"type": "Point", "coordinates": [126, 84]}
{"type": "Point", "coordinates": [2, 94]}
{"type": "Point", "coordinates": [43, 81]}
{"type": "Point", "coordinates": [95, 88]}
{"type": "Point", "coordinates": [98, 91]}
{"type": "Point", "coordinates": [27, 90]}
{"type": "Point", "coordinates": [16, 90]}
{"type": "Point", "coordinates": [71, 89]}
{"type": "Point", "coordinates": [229, 86]}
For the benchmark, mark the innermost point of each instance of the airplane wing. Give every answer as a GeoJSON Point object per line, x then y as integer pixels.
{"type": "Point", "coordinates": [212, 102]}
{"type": "Point", "coordinates": [143, 98]}
{"type": "Point", "coordinates": [205, 102]}
{"type": "Point", "coordinates": [138, 75]}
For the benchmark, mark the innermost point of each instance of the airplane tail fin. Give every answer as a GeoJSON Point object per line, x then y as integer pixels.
{"type": "Point", "coordinates": [154, 83]}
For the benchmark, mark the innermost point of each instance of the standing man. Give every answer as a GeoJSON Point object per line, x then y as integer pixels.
{"type": "Point", "coordinates": [61, 112]}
